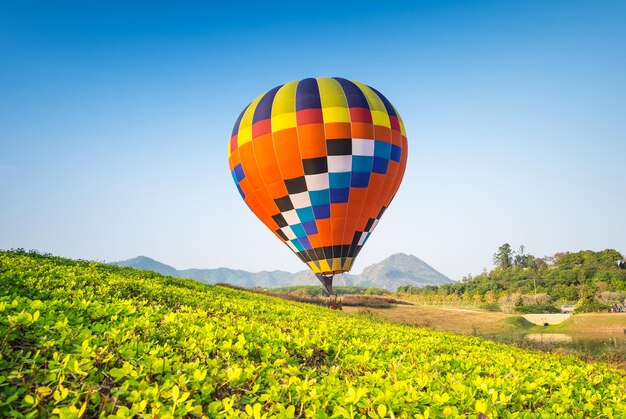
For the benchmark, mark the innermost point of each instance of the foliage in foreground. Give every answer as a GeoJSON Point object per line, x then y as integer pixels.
{"type": "Point", "coordinates": [86, 338]}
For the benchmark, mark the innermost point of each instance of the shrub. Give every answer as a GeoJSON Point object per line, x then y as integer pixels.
{"type": "Point", "coordinates": [591, 307]}
{"type": "Point", "coordinates": [537, 309]}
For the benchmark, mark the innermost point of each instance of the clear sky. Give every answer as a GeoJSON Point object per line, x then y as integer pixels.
{"type": "Point", "coordinates": [115, 118]}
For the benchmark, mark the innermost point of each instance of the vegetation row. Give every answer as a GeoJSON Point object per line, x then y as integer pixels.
{"type": "Point", "coordinates": [81, 338]}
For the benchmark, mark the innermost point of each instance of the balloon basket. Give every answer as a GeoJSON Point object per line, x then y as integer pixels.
{"type": "Point", "coordinates": [334, 303]}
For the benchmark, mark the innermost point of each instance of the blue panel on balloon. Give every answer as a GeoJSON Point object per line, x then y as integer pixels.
{"type": "Point", "coordinates": [263, 109]}
{"type": "Point", "coordinates": [339, 180]}
{"type": "Point", "coordinates": [396, 152]}
{"type": "Point", "coordinates": [306, 244]}
{"type": "Point", "coordinates": [243, 195]}
{"type": "Point", "coordinates": [297, 244]}
{"type": "Point", "coordinates": [308, 95]}
{"type": "Point", "coordinates": [362, 163]}
{"type": "Point", "coordinates": [239, 172]}
{"type": "Point", "coordinates": [360, 179]}
{"type": "Point", "coordinates": [321, 211]}
{"type": "Point", "coordinates": [320, 197]}
{"type": "Point", "coordinates": [310, 227]}
{"type": "Point", "coordinates": [298, 230]}
{"type": "Point", "coordinates": [382, 149]}
{"type": "Point", "coordinates": [380, 165]}
{"type": "Point", "coordinates": [305, 214]}
{"type": "Point", "coordinates": [339, 195]}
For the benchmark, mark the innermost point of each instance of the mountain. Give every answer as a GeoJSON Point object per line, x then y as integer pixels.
{"type": "Point", "coordinates": [400, 269]}
{"type": "Point", "coordinates": [265, 279]}
{"type": "Point", "coordinates": [147, 264]}
{"type": "Point", "coordinates": [396, 270]}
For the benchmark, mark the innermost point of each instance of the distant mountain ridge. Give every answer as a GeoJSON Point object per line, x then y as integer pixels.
{"type": "Point", "coordinates": [396, 270]}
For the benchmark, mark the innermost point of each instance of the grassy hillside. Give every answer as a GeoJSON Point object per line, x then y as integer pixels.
{"type": "Point", "coordinates": [82, 338]}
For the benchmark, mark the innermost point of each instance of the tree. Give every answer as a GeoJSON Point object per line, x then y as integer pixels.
{"type": "Point", "coordinates": [503, 257]}
{"type": "Point", "coordinates": [588, 293]}
{"type": "Point", "coordinates": [522, 259]}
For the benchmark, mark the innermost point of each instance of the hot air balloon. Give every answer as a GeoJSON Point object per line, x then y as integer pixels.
{"type": "Point", "coordinates": [318, 161]}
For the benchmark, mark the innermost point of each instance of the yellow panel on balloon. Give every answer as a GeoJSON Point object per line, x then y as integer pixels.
{"type": "Point", "coordinates": [331, 93]}
{"type": "Point", "coordinates": [336, 114]}
{"type": "Point", "coordinates": [245, 127]}
{"type": "Point", "coordinates": [314, 267]}
{"type": "Point", "coordinates": [325, 267]}
{"type": "Point", "coordinates": [285, 99]}
{"type": "Point", "coordinates": [283, 121]}
{"type": "Point", "coordinates": [381, 118]}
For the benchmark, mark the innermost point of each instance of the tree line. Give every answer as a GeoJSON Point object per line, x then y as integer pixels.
{"type": "Point", "coordinates": [592, 280]}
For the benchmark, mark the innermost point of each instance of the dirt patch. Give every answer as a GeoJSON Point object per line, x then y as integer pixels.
{"type": "Point", "coordinates": [462, 310]}
{"type": "Point", "coordinates": [547, 319]}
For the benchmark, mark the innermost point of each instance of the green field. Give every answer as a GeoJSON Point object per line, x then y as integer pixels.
{"type": "Point", "coordinates": [83, 338]}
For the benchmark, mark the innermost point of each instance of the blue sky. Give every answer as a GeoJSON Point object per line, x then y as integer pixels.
{"type": "Point", "coordinates": [115, 117]}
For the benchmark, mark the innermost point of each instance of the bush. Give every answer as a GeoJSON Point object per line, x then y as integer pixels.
{"type": "Point", "coordinates": [537, 309]}
{"type": "Point", "coordinates": [611, 297]}
{"type": "Point", "coordinates": [591, 307]}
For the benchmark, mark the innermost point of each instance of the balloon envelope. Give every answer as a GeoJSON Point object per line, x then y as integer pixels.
{"type": "Point", "coordinates": [318, 161]}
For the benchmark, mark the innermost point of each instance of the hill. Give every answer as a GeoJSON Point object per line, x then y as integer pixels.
{"type": "Point", "coordinates": [148, 264]}
{"type": "Point", "coordinates": [395, 271]}
{"type": "Point", "coordinates": [398, 270]}
{"type": "Point", "coordinates": [89, 339]}
{"type": "Point", "coordinates": [213, 276]}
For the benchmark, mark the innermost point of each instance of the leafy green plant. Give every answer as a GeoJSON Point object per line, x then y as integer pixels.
{"type": "Point", "coordinates": [80, 338]}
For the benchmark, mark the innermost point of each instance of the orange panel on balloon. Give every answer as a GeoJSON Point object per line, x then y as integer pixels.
{"type": "Point", "coordinates": [382, 133]}
{"type": "Point", "coordinates": [266, 159]}
{"type": "Point", "coordinates": [362, 130]}
{"type": "Point", "coordinates": [312, 141]}
{"type": "Point", "coordinates": [277, 189]}
{"type": "Point", "coordinates": [288, 153]}
{"type": "Point", "coordinates": [234, 160]}
{"type": "Point", "coordinates": [324, 231]}
{"type": "Point", "coordinates": [266, 200]}
{"type": "Point", "coordinates": [338, 130]}
{"type": "Point", "coordinates": [248, 160]}
{"type": "Point", "coordinates": [316, 240]}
